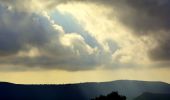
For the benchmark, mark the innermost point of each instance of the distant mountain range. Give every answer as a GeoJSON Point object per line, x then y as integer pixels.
{"type": "Point", "coordinates": [83, 91]}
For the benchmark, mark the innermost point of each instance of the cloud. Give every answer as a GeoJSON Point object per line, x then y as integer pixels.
{"type": "Point", "coordinates": [34, 40]}
{"type": "Point", "coordinates": [34, 5]}
{"type": "Point", "coordinates": [125, 33]}
{"type": "Point", "coordinates": [146, 18]}
{"type": "Point", "coordinates": [19, 30]}
{"type": "Point", "coordinates": [150, 18]}
{"type": "Point", "coordinates": [117, 43]}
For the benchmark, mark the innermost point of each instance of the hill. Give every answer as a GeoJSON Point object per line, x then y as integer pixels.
{"type": "Point", "coordinates": [82, 91]}
{"type": "Point", "coordinates": [153, 96]}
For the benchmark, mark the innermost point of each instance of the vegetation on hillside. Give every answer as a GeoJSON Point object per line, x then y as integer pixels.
{"type": "Point", "coordinates": [111, 96]}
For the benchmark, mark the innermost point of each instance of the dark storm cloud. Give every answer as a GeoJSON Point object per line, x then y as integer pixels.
{"type": "Point", "coordinates": [48, 63]}
{"type": "Point", "coordinates": [162, 51]}
{"type": "Point", "coordinates": [151, 18]}
{"type": "Point", "coordinates": [149, 15]}
{"type": "Point", "coordinates": [18, 30]}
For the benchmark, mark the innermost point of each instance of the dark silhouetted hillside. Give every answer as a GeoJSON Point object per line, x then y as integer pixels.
{"type": "Point", "coordinates": [83, 91]}
{"type": "Point", "coordinates": [111, 96]}
{"type": "Point", "coordinates": [153, 96]}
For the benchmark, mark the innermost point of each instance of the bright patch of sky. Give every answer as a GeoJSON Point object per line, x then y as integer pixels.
{"type": "Point", "coordinates": [71, 25]}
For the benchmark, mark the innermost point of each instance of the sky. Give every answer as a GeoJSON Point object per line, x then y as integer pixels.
{"type": "Point", "coordinates": [74, 41]}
